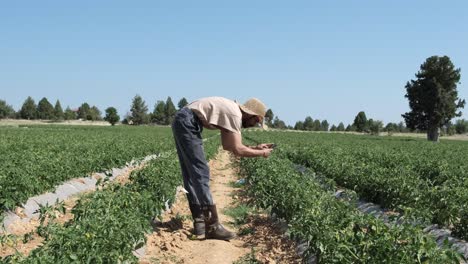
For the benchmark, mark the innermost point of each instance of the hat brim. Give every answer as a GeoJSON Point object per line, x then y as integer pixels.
{"type": "Point", "coordinates": [248, 111]}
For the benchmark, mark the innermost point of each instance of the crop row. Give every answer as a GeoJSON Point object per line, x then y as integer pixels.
{"type": "Point", "coordinates": [426, 180]}
{"type": "Point", "coordinates": [35, 159]}
{"type": "Point", "coordinates": [335, 232]}
{"type": "Point", "coordinates": [109, 224]}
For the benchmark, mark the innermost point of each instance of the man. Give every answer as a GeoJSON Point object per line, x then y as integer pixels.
{"type": "Point", "coordinates": [229, 117]}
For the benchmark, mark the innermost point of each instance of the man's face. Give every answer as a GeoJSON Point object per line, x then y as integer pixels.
{"type": "Point", "coordinates": [251, 121]}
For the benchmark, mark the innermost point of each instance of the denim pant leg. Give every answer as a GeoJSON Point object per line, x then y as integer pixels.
{"type": "Point", "coordinates": [195, 171]}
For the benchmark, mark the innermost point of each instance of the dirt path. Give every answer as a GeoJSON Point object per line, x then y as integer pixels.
{"type": "Point", "coordinates": [172, 242]}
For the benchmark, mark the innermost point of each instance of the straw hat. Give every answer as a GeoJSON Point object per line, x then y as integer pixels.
{"type": "Point", "coordinates": [253, 106]}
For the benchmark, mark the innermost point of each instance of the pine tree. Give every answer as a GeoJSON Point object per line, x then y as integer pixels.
{"type": "Point", "coordinates": [360, 122]}
{"type": "Point", "coordinates": [169, 111]}
{"type": "Point", "coordinates": [58, 111]}
{"type": "Point", "coordinates": [158, 115]}
{"type": "Point", "coordinates": [182, 103]}
{"type": "Point", "coordinates": [139, 111]}
{"type": "Point", "coordinates": [45, 110]}
{"type": "Point", "coordinates": [340, 127]}
{"type": "Point", "coordinates": [433, 96]}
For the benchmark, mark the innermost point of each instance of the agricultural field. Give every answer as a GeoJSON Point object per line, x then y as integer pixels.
{"type": "Point", "coordinates": [34, 159]}
{"type": "Point", "coordinates": [414, 176]}
{"type": "Point", "coordinates": [425, 183]}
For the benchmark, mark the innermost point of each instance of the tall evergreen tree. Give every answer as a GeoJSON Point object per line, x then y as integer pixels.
{"type": "Point", "coordinates": [182, 103]}
{"type": "Point", "coordinates": [29, 109]}
{"type": "Point", "coordinates": [158, 115]}
{"type": "Point", "coordinates": [340, 127]}
{"type": "Point", "coordinates": [324, 125]}
{"type": "Point", "coordinates": [139, 111]}
{"type": "Point", "coordinates": [360, 122]}
{"type": "Point", "coordinates": [433, 96]}
{"type": "Point", "coordinates": [45, 110]}
{"type": "Point", "coordinates": [58, 111]}
{"type": "Point", "coordinates": [333, 128]}
{"type": "Point", "coordinates": [169, 111]}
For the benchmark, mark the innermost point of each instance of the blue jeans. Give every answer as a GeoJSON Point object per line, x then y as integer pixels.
{"type": "Point", "coordinates": [187, 129]}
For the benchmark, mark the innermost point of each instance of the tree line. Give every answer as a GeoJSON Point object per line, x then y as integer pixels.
{"type": "Point", "coordinates": [432, 96]}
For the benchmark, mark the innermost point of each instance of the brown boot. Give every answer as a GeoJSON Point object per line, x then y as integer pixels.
{"type": "Point", "coordinates": [198, 220]}
{"type": "Point", "coordinates": [213, 229]}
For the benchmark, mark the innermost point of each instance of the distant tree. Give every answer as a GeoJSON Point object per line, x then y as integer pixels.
{"type": "Point", "coordinates": [308, 123]}
{"type": "Point", "coordinates": [340, 127]}
{"type": "Point", "coordinates": [111, 116]}
{"type": "Point", "coordinates": [169, 111]}
{"type": "Point", "coordinates": [402, 128]}
{"type": "Point", "coordinates": [158, 115]}
{"type": "Point", "coordinates": [69, 114]}
{"type": "Point", "coordinates": [45, 110]}
{"type": "Point", "coordinates": [139, 111]}
{"type": "Point", "coordinates": [350, 128]}
{"type": "Point", "coordinates": [375, 126]}
{"type": "Point", "coordinates": [333, 128]}
{"type": "Point", "coordinates": [84, 111]}
{"type": "Point", "coordinates": [269, 117]}
{"type": "Point", "coordinates": [29, 109]}
{"type": "Point", "coordinates": [299, 125]}
{"type": "Point", "coordinates": [94, 114]}
{"type": "Point", "coordinates": [391, 127]}
{"type": "Point", "coordinates": [449, 129]}
{"type": "Point", "coordinates": [278, 123]}
{"type": "Point", "coordinates": [433, 96]}
{"type": "Point", "coordinates": [324, 125]}
{"type": "Point", "coordinates": [6, 111]}
{"type": "Point", "coordinates": [58, 111]}
{"type": "Point", "coordinates": [182, 103]}
{"type": "Point", "coordinates": [461, 126]}
{"type": "Point", "coordinates": [316, 125]}
{"type": "Point", "coordinates": [360, 122]}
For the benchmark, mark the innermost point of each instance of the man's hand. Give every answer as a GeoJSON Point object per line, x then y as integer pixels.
{"type": "Point", "coordinates": [265, 146]}
{"type": "Point", "coordinates": [267, 152]}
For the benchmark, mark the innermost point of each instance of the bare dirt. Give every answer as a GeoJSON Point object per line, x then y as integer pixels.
{"type": "Point", "coordinates": [172, 241]}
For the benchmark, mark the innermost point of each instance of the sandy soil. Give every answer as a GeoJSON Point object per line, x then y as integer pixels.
{"type": "Point", "coordinates": [172, 242]}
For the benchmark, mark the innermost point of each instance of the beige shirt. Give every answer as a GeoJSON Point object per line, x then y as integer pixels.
{"type": "Point", "coordinates": [218, 111]}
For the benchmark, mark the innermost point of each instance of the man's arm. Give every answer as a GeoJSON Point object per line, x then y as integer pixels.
{"type": "Point", "coordinates": [233, 142]}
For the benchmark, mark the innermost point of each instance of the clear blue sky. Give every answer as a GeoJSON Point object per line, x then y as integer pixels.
{"type": "Point", "coordinates": [328, 59]}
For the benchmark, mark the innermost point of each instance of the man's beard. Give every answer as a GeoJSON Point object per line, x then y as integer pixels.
{"type": "Point", "coordinates": [245, 124]}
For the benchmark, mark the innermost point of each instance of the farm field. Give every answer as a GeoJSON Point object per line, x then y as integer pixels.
{"type": "Point", "coordinates": [425, 182]}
